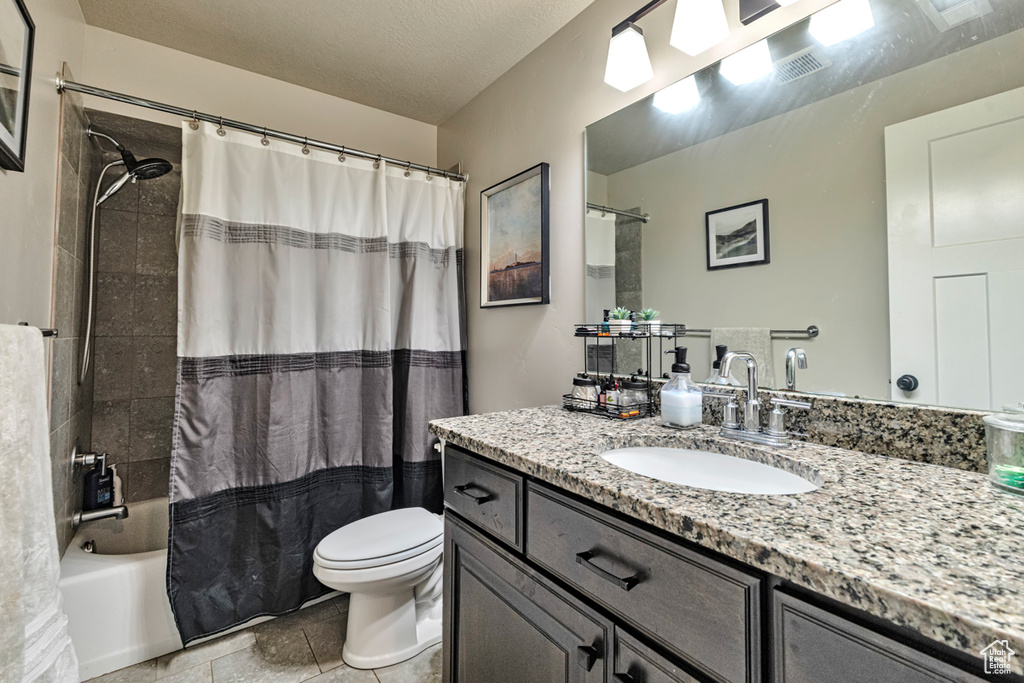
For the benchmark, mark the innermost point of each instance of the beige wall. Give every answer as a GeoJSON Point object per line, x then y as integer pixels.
{"type": "Point", "coordinates": [822, 168]}
{"type": "Point", "coordinates": [128, 65]}
{"type": "Point", "coordinates": [535, 112]}
{"type": "Point", "coordinates": [28, 200]}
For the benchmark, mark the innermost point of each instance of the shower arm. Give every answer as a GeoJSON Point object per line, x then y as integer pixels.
{"type": "Point", "coordinates": [90, 300]}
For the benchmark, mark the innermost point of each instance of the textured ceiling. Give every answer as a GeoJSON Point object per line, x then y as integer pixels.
{"type": "Point", "coordinates": [423, 59]}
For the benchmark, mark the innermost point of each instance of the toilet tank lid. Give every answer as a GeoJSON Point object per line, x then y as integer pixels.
{"type": "Point", "coordinates": [387, 533]}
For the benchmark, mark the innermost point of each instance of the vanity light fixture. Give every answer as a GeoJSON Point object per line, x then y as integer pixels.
{"type": "Point", "coordinates": [678, 97]}
{"type": "Point", "coordinates": [785, 3]}
{"type": "Point", "coordinates": [748, 65]}
{"type": "Point", "coordinates": [699, 25]}
{"type": "Point", "coordinates": [841, 21]}
{"type": "Point", "coordinates": [628, 65]}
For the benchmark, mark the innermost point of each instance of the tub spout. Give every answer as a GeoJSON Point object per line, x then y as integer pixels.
{"type": "Point", "coordinates": [79, 516]}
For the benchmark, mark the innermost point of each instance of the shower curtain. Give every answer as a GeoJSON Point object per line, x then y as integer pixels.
{"type": "Point", "coordinates": [320, 327]}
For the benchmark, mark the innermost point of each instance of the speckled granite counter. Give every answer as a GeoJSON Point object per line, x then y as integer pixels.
{"type": "Point", "coordinates": [930, 548]}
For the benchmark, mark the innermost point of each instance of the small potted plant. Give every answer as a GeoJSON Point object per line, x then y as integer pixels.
{"type": "Point", "coordinates": [619, 321]}
{"type": "Point", "coordinates": [650, 316]}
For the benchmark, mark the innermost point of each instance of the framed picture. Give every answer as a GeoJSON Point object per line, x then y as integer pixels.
{"type": "Point", "coordinates": [514, 260]}
{"type": "Point", "coordinates": [738, 236]}
{"type": "Point", "coordinates": [17, 33]}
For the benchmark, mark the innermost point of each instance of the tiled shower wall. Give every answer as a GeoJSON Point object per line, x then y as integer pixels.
{"type": "Point", "coordinates": [136, 316]}
{"type": "Point", "coordinates": [629, 285]}
{"type": "Point", "coordinates": [70, 402]}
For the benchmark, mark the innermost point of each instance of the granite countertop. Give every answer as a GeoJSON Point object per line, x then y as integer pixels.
{"type": "Point", "coordinates": [930, 548]}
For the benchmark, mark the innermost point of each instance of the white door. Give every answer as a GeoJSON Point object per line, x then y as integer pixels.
{"type": "Point", "coordinates": [955, 195]}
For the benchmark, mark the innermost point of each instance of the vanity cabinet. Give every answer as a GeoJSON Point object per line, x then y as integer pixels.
{"type": "Point", "coordinates": [541, 586]}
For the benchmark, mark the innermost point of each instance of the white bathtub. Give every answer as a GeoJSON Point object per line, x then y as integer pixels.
{"type": "Point", "coordinates": [116, 597]}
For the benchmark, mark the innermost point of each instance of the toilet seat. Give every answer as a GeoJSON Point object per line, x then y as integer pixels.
{"type": "Point", "coordinates": [380, 540]}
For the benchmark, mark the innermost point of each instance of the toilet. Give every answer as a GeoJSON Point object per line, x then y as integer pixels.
{"type": "Point", "coordinates": [390, 564]}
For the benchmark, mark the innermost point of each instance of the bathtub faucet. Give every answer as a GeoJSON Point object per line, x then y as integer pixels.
{"type": "Point", "coordinates": [79, 516]}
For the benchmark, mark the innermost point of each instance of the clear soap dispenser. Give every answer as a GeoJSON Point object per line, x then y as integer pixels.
{"type": "Point", "coordinates": [681, 400]}
{"type": "Point", "coordinates": [716, 377]}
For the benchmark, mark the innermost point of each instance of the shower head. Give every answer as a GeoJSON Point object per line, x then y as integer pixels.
{"type": "Point", "coordinates": [147, 169]}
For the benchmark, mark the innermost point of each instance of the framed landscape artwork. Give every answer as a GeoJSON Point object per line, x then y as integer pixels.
{"type": "Point", "coordinates": [738, 236]}
{"type": "Point", "coordinates": [514, 260]}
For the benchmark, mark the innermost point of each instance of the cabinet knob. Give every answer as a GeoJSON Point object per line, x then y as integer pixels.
{"type": "Point", "coordinates": [907, 383]}
{"type": "Point", "coordinates": [587, 656]}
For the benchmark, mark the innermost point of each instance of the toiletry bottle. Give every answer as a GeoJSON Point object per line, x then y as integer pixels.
{"type": "Point", "coordinates": [681, 400]}
{"type": "Point", "coordinates": [612, 400]}
{"type": "Point", "coordinates": [715, 378]}
{"type": "Point", "coordinates": [99, 486]}
{"type": "Point", "coordinates": [603, 396]}
{"type": "Point", "coordinates": [118, 487]}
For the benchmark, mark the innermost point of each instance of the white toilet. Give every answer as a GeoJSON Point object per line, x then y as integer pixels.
{"type": "Point", "coordinates": [390, 564]}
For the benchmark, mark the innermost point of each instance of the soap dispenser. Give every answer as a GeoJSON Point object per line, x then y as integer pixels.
{"type": "Point", "coordinates": [99, 486]}
{"type": "Point", "coordinates": [716, 377]}
{"type": "Point", "coordinates": [681, 400]}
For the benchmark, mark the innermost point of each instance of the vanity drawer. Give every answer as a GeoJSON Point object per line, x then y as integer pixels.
{"type": "Point", "coordinates": [706, 612]}
{"type": "Point", "coordinates": [487, 496]}
{"type": "Point", "coordinates": [812, 645]}
{"type": "Point", "coordinates": [634, 662]}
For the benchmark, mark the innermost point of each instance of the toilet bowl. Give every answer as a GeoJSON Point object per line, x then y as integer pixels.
{"type": "Point", "coordinates": [390, 564]}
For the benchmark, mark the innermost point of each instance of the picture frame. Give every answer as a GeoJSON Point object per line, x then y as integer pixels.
{"type": "Point", "coordinates": [16, 49]}
{"type": "Point", "coordinates": [515, 267]}
{"type": "Point", "coordinates": [738, 236]}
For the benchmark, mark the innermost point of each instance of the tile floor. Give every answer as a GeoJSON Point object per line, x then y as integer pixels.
{"type": "Point", "coordinates": [304, 646]}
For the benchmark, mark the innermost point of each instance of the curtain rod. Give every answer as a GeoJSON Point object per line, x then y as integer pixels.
{"type": "Point", "coordinates": [628, 214]}
{"type": "Point", "coordinates": [63, 85]}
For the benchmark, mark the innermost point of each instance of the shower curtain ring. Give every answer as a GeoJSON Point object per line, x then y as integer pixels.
{"type": "Point", "coordinates": [194, 123]}
{"type": "Point", "coordinates": [305, 145]}
{"type": "Point", "coordinates": [407, 171]}
{"type": "Point", "coordinates": [220, 128]}
{"type": "Point", "coordinates": [430, 177]}
{"type": "Point", "coordinates": [376, 164]}
{"type": "Point", "coordinates": [264, 141]}
{"type": "Point", "coordinates": [341, 157]}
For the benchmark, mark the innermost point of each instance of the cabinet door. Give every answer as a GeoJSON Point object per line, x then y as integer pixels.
{"type": "Point", "coordinates": [814, 646]}
{"type": "Point", "coordinates": [634, 662]}
{"type": "Point", "coordinates": [503, 622]}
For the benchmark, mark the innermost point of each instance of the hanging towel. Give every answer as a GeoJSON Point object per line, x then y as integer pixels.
{"type": "Point", "coordinates": [757, 341]}
{"type": "Point", "coordinates": [34, 642]}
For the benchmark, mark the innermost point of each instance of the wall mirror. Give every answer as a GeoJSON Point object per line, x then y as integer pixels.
{"type": "Point", "coordinates": [16, 37]}
{"type": "Point", "coordinates": [887, 137]}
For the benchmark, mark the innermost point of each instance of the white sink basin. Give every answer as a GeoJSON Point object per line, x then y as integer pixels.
{"type": "Point", "coordinates": [704, 470]}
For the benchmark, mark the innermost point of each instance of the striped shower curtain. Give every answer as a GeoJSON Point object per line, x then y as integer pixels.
{"type": "Point", "coordinates": [320, 327]}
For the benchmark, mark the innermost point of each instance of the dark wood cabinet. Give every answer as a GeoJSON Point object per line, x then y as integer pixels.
{"type": "Point", "coordinates": [634, 662]}
{"type": "Point", "coordinates": [489, 497]}
{"type": "Point", "coordinates": [505, 623]}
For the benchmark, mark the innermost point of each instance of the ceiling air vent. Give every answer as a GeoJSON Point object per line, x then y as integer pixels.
{"type": "Point", "coordinates": [800, 64]}
{"type": "Point", "coordinates": [948, 14]}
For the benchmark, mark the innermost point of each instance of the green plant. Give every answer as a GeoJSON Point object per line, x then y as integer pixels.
{"type": "Point", "coordinates": [649, 314]}
{"type": "Point", "coordinates": [620, 313]}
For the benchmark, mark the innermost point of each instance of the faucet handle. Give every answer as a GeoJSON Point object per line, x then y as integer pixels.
{"type": "Point", "coordinates": [803, 405]}
{"type": "Point", "coordinates": [777, 418]}
{"type": "Point", "coordinates": [730, 415]}
{"type": "Point", "coordinates": [720, 394]}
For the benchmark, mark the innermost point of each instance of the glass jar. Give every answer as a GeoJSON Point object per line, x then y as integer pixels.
{"type": "Point", "coordinates": [584, 392]}
{"type": "Point", "coordinates": [634, 393]}
{"type": "Point", "coordinates": [1004, 439]}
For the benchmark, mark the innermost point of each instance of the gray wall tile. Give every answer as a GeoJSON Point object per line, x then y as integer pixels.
{"type": "Point", "coordinates": [115, 304]}
{"type": "Point", "coordinates": [111, 424]}
{"type": "Point", "coordinates": [154, 371]}
{"type": "Point", "coordinates": [68, 293]}
{"type": "Point", "coordinates": [125, 199]}
{"type": "Point", "coordinates": [156, 305]}
{"type": "Point", "coordinates": [117, 231]}
{"type": "Point", "coordinates": [67, 206]}
{"type": "Point", "coordinates": [62, 379]}
{"type": "Point", "coordinates": [73, 125]}
{"type": "Point", "coordinates": [156, 252]}
{"type": "Point", "coordinates": [114, 358]}
{"type": "Point", "coordinates": [159, 196]}
{"type": "Point", "coordinates": [149, 479]}
{"type": "Point", "coordinates": [152, 421]}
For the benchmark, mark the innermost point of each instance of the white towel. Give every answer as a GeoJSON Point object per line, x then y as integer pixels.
{"type": "Point", "coordinates": [757, 341]}
{"type": "Point", "coordinates": [34, 642]}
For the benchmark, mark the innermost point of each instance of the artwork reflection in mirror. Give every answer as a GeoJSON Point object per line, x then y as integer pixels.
{"type": "Point", "coordinates": [891, 145]}
{"type": "Point", "coordinates": [16, 38]}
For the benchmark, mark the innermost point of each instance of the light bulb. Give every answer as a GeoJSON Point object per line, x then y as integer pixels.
{"type": "Point", "coordinates": [678, 97]}
{"type": "Point", "coordinates": [628, 65]}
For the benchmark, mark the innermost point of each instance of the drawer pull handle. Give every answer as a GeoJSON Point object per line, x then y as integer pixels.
{"type": "Point", "coordinates": [587, 656]}
{"type": "Point", "coordinates": [623, 582]}
{"type": "Point", "coordinates": [478, 498]}
{"type": "Point", "coordinates": [624, 678]}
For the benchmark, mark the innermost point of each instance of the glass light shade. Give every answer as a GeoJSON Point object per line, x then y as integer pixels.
{"type": "Point", "coordinates": [628, 65]}
{"type": "Point", "coordinates": [785, 3]}
{"type": "Point", "coordinates": [841, 21]}
{"type": "Point", "coordinates": [678, 97]}
{"type": "Point", "coordinates": [748, 65]}
{"type": "Point", "coordinates": [698, 26]}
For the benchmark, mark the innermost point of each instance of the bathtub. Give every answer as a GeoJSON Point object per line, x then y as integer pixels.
{"type": "Point", "coordinates": [115, 598]}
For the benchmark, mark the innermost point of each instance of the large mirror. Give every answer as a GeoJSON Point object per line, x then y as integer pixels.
{"type": "Point", "coordinates": [861, 173]}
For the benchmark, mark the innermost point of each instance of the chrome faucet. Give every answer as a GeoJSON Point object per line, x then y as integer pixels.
{"type": "Point", "coordinates": [750, 429]}
{"type": "Point", "coordinates": [79, 516]}
{"type": "Point", "coordinates": [795, 358]}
